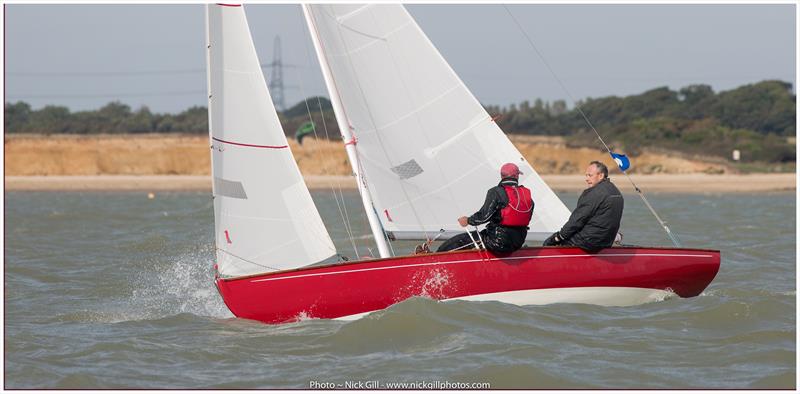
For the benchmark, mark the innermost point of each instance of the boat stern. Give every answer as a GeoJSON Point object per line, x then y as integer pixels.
{"type": "Point", "coordinates": [697, 276]}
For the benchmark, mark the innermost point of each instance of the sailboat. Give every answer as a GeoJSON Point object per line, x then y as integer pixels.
{"type": "Point", "coordinates": [423, 151]}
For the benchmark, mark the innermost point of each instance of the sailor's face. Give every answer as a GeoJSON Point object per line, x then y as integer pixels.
{"type": "Point", "coordinates": [593, 175]}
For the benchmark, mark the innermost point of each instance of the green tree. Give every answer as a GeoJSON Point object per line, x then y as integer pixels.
{"type": "Point", "coordinates": [696, 101]}
{"type": "Point", "coordinates": [766, 107]}
{"type": "Point", "coordinates": [139, 122]}
{"type": "Point", "coordinates": [51, 119]}
{"type": "Point", "coordinates": [17, 116]}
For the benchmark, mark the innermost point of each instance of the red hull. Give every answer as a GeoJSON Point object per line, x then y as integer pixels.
{"type": "Point", "coordinates": [352, 288]}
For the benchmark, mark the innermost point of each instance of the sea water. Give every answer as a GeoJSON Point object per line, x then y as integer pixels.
{"type": "Point", "coordinates": [114, 290]}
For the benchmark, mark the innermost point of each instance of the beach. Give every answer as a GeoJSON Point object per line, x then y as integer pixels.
{"type": "Point", "coordinates": [158, 162]}
{"type": "Point", "coordinates": [676, 183]}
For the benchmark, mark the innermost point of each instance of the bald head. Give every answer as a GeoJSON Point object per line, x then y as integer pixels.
{"type": "Point", "coordinates": [595, 173]}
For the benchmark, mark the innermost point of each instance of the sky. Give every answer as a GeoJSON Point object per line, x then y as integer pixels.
{"type": "Point", "coordinates": [85, 56]}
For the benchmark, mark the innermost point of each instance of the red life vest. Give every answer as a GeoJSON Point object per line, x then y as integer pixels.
{"type": "Point", "coordinates": [519, 210]}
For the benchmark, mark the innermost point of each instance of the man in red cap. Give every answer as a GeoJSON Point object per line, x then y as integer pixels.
{"type": "Point", "coordinates": [507, 210]}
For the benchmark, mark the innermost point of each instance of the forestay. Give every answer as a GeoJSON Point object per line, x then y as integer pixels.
{"type": "Point", "coordinates": [428, 148]}
{"type": "Point", "coordinates": [265, 218]}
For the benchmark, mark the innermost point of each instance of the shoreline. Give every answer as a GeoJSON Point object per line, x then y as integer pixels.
{"type": "Point", "coordinates": [671, 183]}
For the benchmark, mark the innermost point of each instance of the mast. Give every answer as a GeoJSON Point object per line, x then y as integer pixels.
{"type": "Point", "coordinates": [350, 142]}
{"type": "Point", "coordinates": [208, 90]}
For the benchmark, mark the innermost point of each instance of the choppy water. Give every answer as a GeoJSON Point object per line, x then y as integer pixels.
{"type": "Point", "coordinates": [114, 290]}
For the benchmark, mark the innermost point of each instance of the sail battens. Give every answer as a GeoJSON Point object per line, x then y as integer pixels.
{"type": "Point", "coordinates": [268, 220]}
{"type": "Point", "coordinates": [404, 89]}
{"type": "Point", "coordinates": [411, 113]}
{"type": "Point", "coordinates": [342, 18]}
{"type": "Point", "coordinates": [376, 40]}
{"type": "Point", "coordinates": [446, 185]}
{"type": "Point", "coordinates": [433, 151]}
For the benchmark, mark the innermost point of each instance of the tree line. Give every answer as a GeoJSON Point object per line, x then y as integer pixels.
{"type": "Point", "coordinates": [113, 118]}
{"type": "Point", "coordinates": [756, 119]}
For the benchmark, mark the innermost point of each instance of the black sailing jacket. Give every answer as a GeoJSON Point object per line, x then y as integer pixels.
{"type": "Point", "coordinates": [500, 239]}
{"type": "Point", "coordinates": [595, 221]}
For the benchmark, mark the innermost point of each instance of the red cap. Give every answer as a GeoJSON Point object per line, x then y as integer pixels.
{"type": "Point", "coordinates": [510, 170]}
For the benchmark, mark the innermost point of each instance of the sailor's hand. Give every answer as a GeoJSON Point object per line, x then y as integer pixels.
{"type": "Point", "coordinates": [463, 221]}
{"type": "Point", "coordinates": [552, 240]}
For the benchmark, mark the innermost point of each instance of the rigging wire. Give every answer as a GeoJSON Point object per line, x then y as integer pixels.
{"type": "Point", "coordinates": [364, 219]}
{"type": "Point", "coordinates": [246, 260]}
{"type": "Point", "coordinates": [132, 73]}
{"type": "Point", "coordinates": [358, 83]}
{"type": "Point", "coordinates": [671, 236]}
{"type": "Point", "coordinates": [104, 95]}
{"type": "Point", "coordinates": [345, 221]}
{"type": "Point", "coordinates": [420, 124]}
{"type": "Point", "coordinates": [360, 176]}
{"type": "Point", "coordinates": [341, 207]}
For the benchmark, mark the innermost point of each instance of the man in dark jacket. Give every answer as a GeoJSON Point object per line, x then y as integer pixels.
{"type": "Point", "coordinates": [508, 209]}
{"type": "Point", "coordinates": [594, 223]}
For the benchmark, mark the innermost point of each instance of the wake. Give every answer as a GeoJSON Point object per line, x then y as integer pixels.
{"type": "Point", "coordinates": [177, 285]}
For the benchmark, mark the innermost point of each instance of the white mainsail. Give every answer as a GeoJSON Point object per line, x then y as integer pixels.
{"type": "Point", "coordinates": [428, 147]}
{"type": "Point", "coordinates": [265, 219]}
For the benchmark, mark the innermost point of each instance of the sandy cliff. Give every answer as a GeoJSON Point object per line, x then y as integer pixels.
{"type": "Point", "coordinates": [182, 154]}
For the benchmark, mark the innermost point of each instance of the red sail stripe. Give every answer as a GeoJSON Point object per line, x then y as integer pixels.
{"type": "Point", "coordinates": [229, 5]}
{"type": "Point", "coordinates": [251, 145]}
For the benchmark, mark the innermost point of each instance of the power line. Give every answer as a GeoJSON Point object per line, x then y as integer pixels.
{"type": "Point", "coordinates": [107, 95]}
{"type": "Point", "coordinates": [132, 73]}
{"type": "Point", "coordinates": [102, 73]}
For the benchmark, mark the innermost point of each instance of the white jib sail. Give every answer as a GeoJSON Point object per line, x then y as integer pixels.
{"type": "Point", "coordinates": [428, 147]}
{"type": "Point", "coordinates": [264, 217]}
